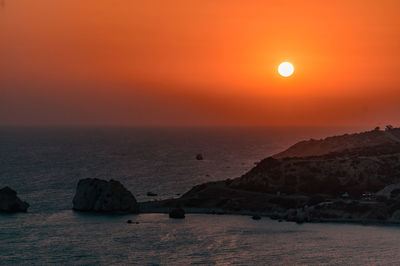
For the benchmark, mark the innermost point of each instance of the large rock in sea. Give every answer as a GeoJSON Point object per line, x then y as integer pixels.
{"type": "Point", "coordinates": [9, 202]}
{"type": "Point", "coordinates": [96, 195]}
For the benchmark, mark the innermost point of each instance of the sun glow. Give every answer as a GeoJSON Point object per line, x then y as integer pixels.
{"type": "Point", "coordinates": [285, 69]}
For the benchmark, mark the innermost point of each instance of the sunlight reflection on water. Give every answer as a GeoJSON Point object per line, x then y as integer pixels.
{"type": "Point", "coordinates": [75, 238]}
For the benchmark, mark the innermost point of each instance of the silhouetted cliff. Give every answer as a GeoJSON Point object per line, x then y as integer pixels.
{"type": "Point", "coordinates": [341, 143]}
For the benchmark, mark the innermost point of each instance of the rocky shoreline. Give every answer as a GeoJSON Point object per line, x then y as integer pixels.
{"type": "Point", "coordinates": [342, 179]}
{"type": "Point", "coordinates": [351, 178]}
{"type": "Point", "coordinates": [336, 211]}
{"type": "Point", "coordinates": [272, 216]}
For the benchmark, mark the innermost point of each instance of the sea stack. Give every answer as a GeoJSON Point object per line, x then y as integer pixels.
{"type": "Point", "coordinates": [96, 195]}
{"type": "Point", "coordinates": [9, 202]}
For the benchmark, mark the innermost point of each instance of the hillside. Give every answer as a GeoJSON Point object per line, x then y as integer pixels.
{"type": "Point", "coordinates": [341, 143]}
{"type": "Point", "coordinates": [359, 170]}
{"type": "Point", "coordinates": [325, 180]}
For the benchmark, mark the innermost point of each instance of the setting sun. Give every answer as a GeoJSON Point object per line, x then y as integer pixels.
{"type": "Point", "coordinates": [141, 118]}
{"type": "Point", "coordinates": [285, 69]}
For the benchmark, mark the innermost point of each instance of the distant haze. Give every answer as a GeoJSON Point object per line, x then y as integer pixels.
{"type": "Point", "coordinates": [199, 62]}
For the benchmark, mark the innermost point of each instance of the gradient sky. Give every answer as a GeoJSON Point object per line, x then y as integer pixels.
{"type": "Point", "coordinates": [199, 62]}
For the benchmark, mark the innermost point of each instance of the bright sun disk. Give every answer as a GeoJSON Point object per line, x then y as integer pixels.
{"type": "Point", "coordinates": [285, 69]}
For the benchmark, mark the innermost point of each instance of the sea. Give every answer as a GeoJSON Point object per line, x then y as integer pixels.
{"type": "Point", "coordinates": [44, 165]}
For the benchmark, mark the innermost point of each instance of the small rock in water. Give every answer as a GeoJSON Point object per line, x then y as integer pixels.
{"type": "Point", "coordinates": [199, 157]}
{"type": "Point", "coordinates": [177, 213]}
{"type": "Point", "coordinates": [275, 217]}
{"type": "Point", "coordinates": [151, 194]}
{"type": "Point", "coordinates": [256, 217]}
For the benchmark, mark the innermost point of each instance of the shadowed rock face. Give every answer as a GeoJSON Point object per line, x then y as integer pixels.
{"type": "Point", "coordinates": [9, 202]}
{"type": "Point", "coordinates": [355, 172]}
{"type": "Point", "coordinates": [95, 195]}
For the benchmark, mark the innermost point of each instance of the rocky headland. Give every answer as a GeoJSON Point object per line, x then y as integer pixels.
{"type": "Point", "coordinates": [350, 178]}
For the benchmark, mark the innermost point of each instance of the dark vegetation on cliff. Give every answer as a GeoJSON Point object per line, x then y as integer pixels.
{"type": "Point", "coordinates": [355, 172]}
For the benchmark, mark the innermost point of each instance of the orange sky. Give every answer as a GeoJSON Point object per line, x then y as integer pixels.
{"type": "Point", "coordinates": [199, 62]}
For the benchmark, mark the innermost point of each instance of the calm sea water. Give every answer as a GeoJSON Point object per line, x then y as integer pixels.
{"type": "Point", "coordinates": [45, 164]}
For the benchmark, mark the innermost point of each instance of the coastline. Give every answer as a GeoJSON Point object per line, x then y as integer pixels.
{"type": "Point", "coordinates": [146, 208]}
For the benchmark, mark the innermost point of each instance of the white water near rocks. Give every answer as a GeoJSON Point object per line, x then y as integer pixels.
{"type": "Point", "coordinates": [44, 166]}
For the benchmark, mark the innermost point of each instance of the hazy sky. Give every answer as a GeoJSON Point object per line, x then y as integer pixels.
{"type": "Point", "coordinates": [199, 62]}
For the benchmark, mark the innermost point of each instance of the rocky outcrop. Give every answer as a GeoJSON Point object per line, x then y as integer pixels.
{"type": "Point", "coordinates": [177, 213]}
{"type": "Point", "coordinates": [199, 157]}
{"type": "Point", "coordinates": [9, 201]}
{"type": "Point", "coordinates": [152, 194]}
{"type": "Point", "coordinates": [95, 195]}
